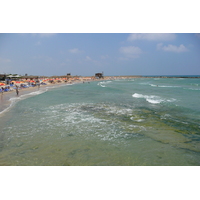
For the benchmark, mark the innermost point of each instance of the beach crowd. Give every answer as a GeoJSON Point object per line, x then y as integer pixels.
{"type": "Point", "coordinates": [16, 85]}
{"type": "Point", "coordinates": [12, 86]}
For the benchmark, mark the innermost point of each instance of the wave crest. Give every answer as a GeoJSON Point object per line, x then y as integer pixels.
{"type": "Point", "coordinates": [152, 98]}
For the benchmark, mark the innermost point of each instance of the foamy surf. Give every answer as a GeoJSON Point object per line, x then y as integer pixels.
{"type": "Point", "coordinates": [104, 83]}
{"type": "Point", "coordinates": [152, 98]}
{"type": "Point", "coordinates": [164, 86]}
{"type": "Point", "coordinates": [24, 96]}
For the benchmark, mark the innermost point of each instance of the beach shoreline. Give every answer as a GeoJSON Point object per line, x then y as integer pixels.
{"type": "Point", "coordinates": [5, 97]}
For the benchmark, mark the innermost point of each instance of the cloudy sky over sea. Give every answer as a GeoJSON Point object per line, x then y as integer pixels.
{"type": "Point", "coordinates": [112, 53]}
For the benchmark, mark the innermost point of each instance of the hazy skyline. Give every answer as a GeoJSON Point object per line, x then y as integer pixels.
{"type": "Point", "coordinates": [88, 53]}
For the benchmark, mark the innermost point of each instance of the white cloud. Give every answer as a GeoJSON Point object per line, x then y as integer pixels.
{"type": "Point", "coordinates": [88, 58]}
{"type": "Point", "coordinates": [75, 50]}
{"type": "Point", "coordinates": [151, 36]}
{"type": "Point", "coordinates": [172, 48]}
{"type": "Point", "coordinates": [130, 51]}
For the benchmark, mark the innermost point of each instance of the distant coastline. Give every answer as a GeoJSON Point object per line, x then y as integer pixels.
{"type": "Point", "coordinates": [157, 76]}
{"type": "Point", "coordinates": [175, 76]}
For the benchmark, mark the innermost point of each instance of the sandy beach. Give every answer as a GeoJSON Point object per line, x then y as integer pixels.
{"type": "Point", "coordinates": [6, 96]}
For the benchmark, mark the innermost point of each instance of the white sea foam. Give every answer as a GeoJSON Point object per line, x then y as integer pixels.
{"type": "Point", "coordinates": [165, 116]}
{"type": "Point", "coordinates": [79, 116]}
{"type": "Point", "coordinates": [164, 86]}
{"type": "Point", "coordinates": [24, 96]}
{"type": "Point", "coordinates": [152, 98]}
{"type": "Point", "coordinates": [149, 98]}
{"type": "Point", "coordinates": [103, 83]}
{"type": "Point", "coordinates": [168, 86]}
{"type": "Point", "coordinates": [136, 119]}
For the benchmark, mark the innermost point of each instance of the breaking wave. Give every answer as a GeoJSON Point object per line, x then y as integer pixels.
{"type": "Point", "coordinates": [104, 83]}
{"type": "Point", "coordinates": [152, 98]}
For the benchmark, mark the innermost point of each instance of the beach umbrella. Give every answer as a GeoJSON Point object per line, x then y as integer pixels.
{"type": "Point", "coordinates": [2, 84]}
{"type": "Point", "coordinates": [31, 81]}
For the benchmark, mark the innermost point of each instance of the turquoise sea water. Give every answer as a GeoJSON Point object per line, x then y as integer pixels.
{"type": "Point", "coordinates": [142, 121]}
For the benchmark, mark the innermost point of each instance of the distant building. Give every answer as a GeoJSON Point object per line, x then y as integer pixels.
{"type": "Point", "coordinates": [99, 75]}
{"type": "Point", "coordinates": [2, 77]}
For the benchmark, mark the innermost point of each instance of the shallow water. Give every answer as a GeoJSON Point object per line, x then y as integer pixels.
{"type": "Point", "coordinates": [144, 121]}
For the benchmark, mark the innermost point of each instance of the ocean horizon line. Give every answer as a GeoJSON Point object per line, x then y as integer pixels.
{"type": "Point", "coordinates": [175, 76]}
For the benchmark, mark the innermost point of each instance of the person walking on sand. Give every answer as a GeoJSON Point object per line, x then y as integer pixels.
{"type": "Point", "coordinates": [17, 90]}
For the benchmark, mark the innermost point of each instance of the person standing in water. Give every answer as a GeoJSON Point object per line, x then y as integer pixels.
{"type": "Point", "coordinates": [17, 90]}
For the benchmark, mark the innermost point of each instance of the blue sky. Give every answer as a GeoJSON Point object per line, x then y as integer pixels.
{"type": "Point", "coordinates": [113, 53]}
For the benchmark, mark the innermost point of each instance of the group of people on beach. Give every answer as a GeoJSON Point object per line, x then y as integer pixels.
{"type": "Point", "coordinates": [16, 87]}
{"type": "Point", "coordinates": [7, 89]}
